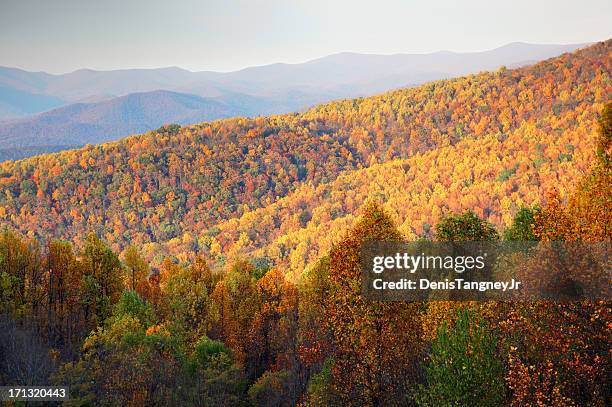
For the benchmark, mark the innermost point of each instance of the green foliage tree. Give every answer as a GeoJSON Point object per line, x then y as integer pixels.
{"type": "Point", "coordinates": [270, 390]}
{"type": "Point", "coordinates": [320, 392]}
{"type": "Point", "coordinates": [465, 226]}
{"type": "Point", "coordinates": [130, 304]}
{"type": "Point", "coordinates": [131, 360]}
{"type": "Point", "coordinates": [217, 381]}
{"type": "Point", "coordinates": [522, 225]}
{"type": "Point", "coordinates": [122, 358]}
{"type": "Point", "coordinates": [463, 369]}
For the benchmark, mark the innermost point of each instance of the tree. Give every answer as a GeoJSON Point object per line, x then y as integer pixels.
{"type": "Point", "coordinates": [217, 380]}
{"type": "Point", "coordinates": [21, 275]}
{"type": "Point", "coordinates": [377, 343]}
{"type": "Point", "coordinates": [186, 292]}
{"type": "Point", "coordinates": [273, 333]}
{"type": "Point", "coordinates": [102, 279]}
{"type": "Point", "coordinates": [522, 225]}
{"type": "Point", "coordinates": [66, 327]}
{"type": "Point", "coordinates": [320, 391]}
{"type": "Point", "coordinates": [130, 360]}
{"type": "Point", "coordinates": [587, 215]}
{"type": "Point", "coordinates": [270, 390]}
{"type": "Point", "coordinates": [24, 357]}
{"type": "Point", "coordinates": [234, 303]}
{"type": "Point", "coordinates": [315, 337]}
{"type": "Point", "coordinates": [463, 367]}
{"type": "Point", "coordinates": [465, 226]}
{"type": "Point", "coordinates": [137, 269]}
{"type": "Point", "coordinates": [604, 142]}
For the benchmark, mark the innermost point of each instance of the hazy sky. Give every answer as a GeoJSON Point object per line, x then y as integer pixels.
{"type": "Point", "coordinates": [64, 35]}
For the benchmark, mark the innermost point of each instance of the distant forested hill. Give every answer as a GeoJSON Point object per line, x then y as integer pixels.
{"type": "Point", "coordinates": [286, 186]}
{"type": "Point", "coordinates": [92, 123]}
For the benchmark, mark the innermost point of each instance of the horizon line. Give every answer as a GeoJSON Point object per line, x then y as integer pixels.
{"type": "Point", "coordinates": [176, 67]}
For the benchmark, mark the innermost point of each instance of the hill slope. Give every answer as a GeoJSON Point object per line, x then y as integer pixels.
{"type": "Point", "coordinates": [83, 123]}
{"type": "Point", "coordinates": [494, 176]}
{"type": "Point", "coordinates": [174, 192]}
{"type": "Point", "coordinates": [16, 103]}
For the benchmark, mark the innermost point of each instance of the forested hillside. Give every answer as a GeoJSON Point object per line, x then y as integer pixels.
{"type": "Point", "coordinates": [492, 176]}
{"type": "Point", "coordinates": [220, 264]}
{"type": "Point", "coordinates": [475, 142]}
{"type": "Point", "coordinates": [247, 335]}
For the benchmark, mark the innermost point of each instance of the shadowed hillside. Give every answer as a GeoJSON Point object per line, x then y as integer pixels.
{"type": "Point", "coordinates": [92, 123]}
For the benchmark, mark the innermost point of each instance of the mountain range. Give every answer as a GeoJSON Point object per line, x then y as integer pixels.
{"type": "Point", "coordinates": [44, 112]}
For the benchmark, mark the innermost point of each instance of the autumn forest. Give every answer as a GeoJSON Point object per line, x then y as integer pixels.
{"type": "Point", "coordinates": [218, 264]}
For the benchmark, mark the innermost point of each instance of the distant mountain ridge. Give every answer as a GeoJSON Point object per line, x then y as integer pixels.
{"type": "Point", "coordinates": [329, 72]}
{"type": "Point", "coordinates": [83, 106]}
{"type": "Point", "coordinates": [83, 123]}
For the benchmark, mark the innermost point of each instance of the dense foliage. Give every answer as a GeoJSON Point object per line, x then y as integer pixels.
{"type": "Point", "coordinates": [152, 302]}
{"type": "Point", "coordinates": [486, 142]}
{"type": "Point", "coordinates": [463, 367]}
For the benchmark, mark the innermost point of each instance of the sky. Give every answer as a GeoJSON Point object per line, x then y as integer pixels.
{"type": "Point", "coordinates": [60, 36]}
